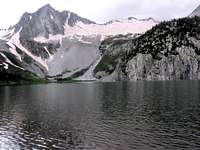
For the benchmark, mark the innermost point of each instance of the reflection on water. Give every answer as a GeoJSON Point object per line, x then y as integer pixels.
{"type": "Point", "coordinates": [103, 116]}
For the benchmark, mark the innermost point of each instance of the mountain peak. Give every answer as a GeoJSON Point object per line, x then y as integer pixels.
{"type": "Point", "coordinates": [47, 21]}
{"type": "Point", "coordinates": [46, 9]}
{"type": "Point", "coordinates": [47, 6]}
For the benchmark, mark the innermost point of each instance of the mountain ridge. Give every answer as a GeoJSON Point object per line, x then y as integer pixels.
{"type": "Point", "coordinates": [169, 51]}
{"type": "Point", "coordinates": [196, 12]}
{"type": "Point", "coordinates": [45, 21]}
{"type": "Point", "coordinates": [64, 46]}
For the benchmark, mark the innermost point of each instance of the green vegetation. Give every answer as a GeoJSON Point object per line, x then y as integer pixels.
{"type": "Point", "coordinates": [68, 80]}
{"type": "Point", "coordinates": [19, 78]}
{"type": "Point", "coordinates": [112, 53]}
{"type": "Point", "coordinates": [107, 64]}
{"type": "Point", "coordinates": [164, 39]}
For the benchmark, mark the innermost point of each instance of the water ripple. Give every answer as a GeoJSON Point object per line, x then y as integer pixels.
{"type": "Point", "coordinates": [101, 116]}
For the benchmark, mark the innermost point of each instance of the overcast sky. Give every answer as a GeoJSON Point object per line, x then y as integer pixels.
{"type": "Point", "coordinates": [100, 10]}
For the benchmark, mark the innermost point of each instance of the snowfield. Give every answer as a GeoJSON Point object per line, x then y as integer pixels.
{"type": "Point", "coordinates": [125, 26]}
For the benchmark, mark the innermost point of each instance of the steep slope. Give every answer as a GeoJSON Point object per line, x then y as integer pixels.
{"type": "Point", "coordinates": [11, 72]}
{"type": "Point", "coordinates": [168, 51]}
{"type": "Point", "coordinates": [47, 21]}
{"type": "Point", "coordinates": [196, 12]}
{"type": "Point", "coordinates": [56, 44]}
{"type": "Point", "coordinates": [27, 54]}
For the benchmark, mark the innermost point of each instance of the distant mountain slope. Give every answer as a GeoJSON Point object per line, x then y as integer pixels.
{"type": "Point", "coordinates": [59, 44]}
{"type": "Point", "coordinates": [196, 12]}
{"type": "Point", "coordinates": [169, 51]}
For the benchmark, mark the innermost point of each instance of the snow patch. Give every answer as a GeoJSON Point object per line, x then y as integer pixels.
{"type": "Point", "coordinates": [68, 17]}
{"type": "Point", "coordinates": [51, 16]}
{"type": "Point", "coordinates": [104, 30]}
{"type": "Point", "coordinates": [8, 61]}
{"type": "Point", "coordinates": [5, 66]}
{"type": "Point", "coordinates": [12, 49]}
{"type": "Point", "coordinates": [119, 27]}
{"type": "Point", "coordinates": [85, 42]}
{"type": "Point", "coordinates": [57, 37]}
{"type": "Point", "coordinates": [50, 56]}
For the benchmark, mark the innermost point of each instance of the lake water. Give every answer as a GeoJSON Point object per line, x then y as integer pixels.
{"type": "Point", "coordinates": [101, 116]}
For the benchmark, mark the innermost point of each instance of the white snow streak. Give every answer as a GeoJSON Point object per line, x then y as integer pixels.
{"type": "Point", "coordinates": [5, 66]}
{"type": "Point", "coordinates": [12, 49]}
{"type": "Point", "coordinates": [57, 37]}
{"type": "Point", "coordinates": [15, 40]}
{"type": "Point", "coordinates": [50, 56]}
{"type": "Point", "coordinates": [69, 15]}
{"type": "Point", "coordinates": [51, 16]}
{"type": "Point", "coordinates": [89, 74]}
{"type": "Point", "coordinates": [8, 61]}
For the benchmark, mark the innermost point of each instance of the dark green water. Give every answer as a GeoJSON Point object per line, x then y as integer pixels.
{"type": "Point", "coordinates": [101, 116]}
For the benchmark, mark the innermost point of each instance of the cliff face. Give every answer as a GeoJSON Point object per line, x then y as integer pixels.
{"type": "Point", "coordinates": [169, 51]}
{"type": "Point", "coordinates": [184, 65]}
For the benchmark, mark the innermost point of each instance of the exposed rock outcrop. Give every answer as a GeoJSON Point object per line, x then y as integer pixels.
{"type": "Point", "coordinates": [169, 51]}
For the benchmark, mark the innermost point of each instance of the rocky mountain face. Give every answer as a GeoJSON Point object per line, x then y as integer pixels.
{"type": "Point", "coordinates": [169, 51]}
{"type": "Point", "coordinates": [64, 46]}
{"type": "Point", "coordinates": [47, 21]}
{"type": "Point", "coordinates": [53, 44]}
